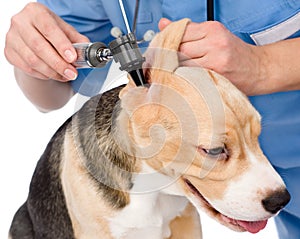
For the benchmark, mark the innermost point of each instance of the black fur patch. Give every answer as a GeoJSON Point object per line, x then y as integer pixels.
{"type": "Point", "coordinates": [45, 206]}
{"type": "Point", "coordinates": [44, 215]}
{"type": "Point", "coordinates": [108, 165]}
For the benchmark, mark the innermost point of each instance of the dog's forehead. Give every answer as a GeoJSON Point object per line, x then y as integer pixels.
{"type": "Point", "coordinates": [205, 88]}
{"type": "Point", "coordinates": [199, 78]}
{"type": "Point", "coordinates": [227, 107]}
{"type": "Point", "coordinates": [191, 94]}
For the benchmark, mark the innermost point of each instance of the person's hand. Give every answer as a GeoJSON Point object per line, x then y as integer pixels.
{"type": "Point", "coordinates": [40, 44]}
{"type": "Point", "coordinates": [212, 46]}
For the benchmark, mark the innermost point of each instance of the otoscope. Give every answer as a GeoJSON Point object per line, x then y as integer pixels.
{"type": "Point", "coordinates": [124, 49]}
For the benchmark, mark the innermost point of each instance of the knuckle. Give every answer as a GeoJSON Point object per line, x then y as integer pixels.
{"type": "Point", "coordinates": [183, 49]}
{"type": "Point", "coordinates": [8, 38]}
{"type": "Point", "coordinates": [30, 9]}
{"type": "Point", "coordinates": [29, 70]}
{"type": "Point", "coordinates": [49, 29]}
{"type": "Point", "coordinates": [38, 45]}
{"type": "Point", "coordinates": [217, 26]}
{"type": "Point", "coordinates": [34, 7]}
{"type": "Point", "coordinates": [30, 6]}
{"type": "Point", "coordinates": [32, 60]}
{"type": "Point", "coordinates": [7, 54]}
{"type": "Point", "coordinates": [55, 76]}
{"type": "Point", "coordinates": [58, 65]}
{"type": "Point", "coordinates": [224, 63]}
{"type": "Point", "coordinates": [15, 21]}
{"type": "Point", "coordinates": [224, 43]}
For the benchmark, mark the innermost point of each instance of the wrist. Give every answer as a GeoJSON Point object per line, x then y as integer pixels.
{"type": "Point", "coordinates": [264, 71]}
{"type": "Point", "coordinates": [45, 95]}
{"type": "Point", "coordinates": [278, 67]}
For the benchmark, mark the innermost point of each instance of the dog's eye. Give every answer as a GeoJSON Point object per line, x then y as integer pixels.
{"type": "Point", "coordinates": [214, 151]}
{"type": "Point", "coordinates": [219, 152]}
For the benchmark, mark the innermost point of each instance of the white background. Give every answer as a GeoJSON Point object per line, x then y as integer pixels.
{"type": "Point", "coordinates": [24, 133]}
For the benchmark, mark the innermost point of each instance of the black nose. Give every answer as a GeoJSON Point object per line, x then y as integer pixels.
{"type": "Point", "coordinates": [276, 201]}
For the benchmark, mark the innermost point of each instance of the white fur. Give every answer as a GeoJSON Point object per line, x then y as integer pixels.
{"type": "Point", "coordinates": [243, 197]}
{"type": "Point", "coordinates": [151, 208]}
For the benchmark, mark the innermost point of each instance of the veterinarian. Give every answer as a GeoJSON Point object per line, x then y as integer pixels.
{"type": "Point", "coordinates": [254, 43]}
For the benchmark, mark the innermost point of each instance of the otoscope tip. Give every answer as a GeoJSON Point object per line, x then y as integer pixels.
{"type": "Point", "coordinates": [138, 77]}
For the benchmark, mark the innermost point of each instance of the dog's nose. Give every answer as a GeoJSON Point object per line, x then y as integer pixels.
{"type": "Point", "coordinates": [276, 201]}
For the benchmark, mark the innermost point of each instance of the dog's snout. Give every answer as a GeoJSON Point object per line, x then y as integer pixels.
{"type": "Point", "coordinates": [276, 201]}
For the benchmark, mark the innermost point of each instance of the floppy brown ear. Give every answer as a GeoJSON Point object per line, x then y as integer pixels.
{"type": "Point", "coordinates": [163, 50]}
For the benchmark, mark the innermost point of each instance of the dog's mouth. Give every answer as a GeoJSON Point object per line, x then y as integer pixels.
{"type": "Point", "coordinates": [235, 224]}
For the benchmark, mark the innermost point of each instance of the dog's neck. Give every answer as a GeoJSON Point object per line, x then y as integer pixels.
{"type": "Point", "coordinates": [107, 164]}
{"type": "Point", "coordinates": [154, 198]}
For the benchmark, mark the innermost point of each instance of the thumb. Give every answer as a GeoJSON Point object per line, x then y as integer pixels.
{"type": "Point", "coordinates": [163, 23]}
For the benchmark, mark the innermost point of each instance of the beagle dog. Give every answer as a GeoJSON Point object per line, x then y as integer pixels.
{"type": "Point", "coordinates": [144, 162]}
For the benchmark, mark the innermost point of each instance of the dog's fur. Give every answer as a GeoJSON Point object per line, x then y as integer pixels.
{"type": "Point", "coordinates": [142, 162]}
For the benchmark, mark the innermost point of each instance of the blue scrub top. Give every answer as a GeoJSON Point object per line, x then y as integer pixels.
{"type": "Point", "coordinates": [280, 137]}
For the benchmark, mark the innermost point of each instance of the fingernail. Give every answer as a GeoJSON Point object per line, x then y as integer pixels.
{"type": "Point", "coordinates": [69, 55]}
{"type": "Point", "coordinates": [70, 75]}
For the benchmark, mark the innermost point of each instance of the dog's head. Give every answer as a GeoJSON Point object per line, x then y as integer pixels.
{"type": "Point", "coordinates": [194, 126]}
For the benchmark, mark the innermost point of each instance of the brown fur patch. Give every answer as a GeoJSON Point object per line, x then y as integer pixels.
{"type": "Point", "coordinates": [187, 225]}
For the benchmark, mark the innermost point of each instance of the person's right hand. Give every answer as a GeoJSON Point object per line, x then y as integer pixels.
{"type": "Point", "coordinates": [40, 44]}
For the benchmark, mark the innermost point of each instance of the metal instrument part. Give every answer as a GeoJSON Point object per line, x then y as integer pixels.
{"type": "Point", "coordinates": [124, 49]}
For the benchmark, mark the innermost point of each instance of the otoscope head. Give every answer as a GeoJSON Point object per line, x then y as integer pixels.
{"type": "Point", "coordinates": [125, 51]}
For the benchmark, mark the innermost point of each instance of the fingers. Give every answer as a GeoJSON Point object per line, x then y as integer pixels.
{"type": "Point", "coordinates": [163, 23]}
{"type": "Point", "coordinates": [193, 49]}
{"type": "Point", "coordinates": [26, 68]}
{"type": "Point", "coordinates": [205, 44]}
{"type": "Point", "coordinates": [197, 62]}
{"type": "Point", "coordinates": [195, 31]}
{"type": "Point", "coordinates": [19, 55]}
{"type": "Point", "coordinates": [60, 34]}
{"type": "Point", "coordinates": [40, 43]}
{"type": "Point", "coordinates": [212, 46]}
{"type": "Point", "coordinates": [194, 44]}
{"type": "Point", "coordinates": [39, 55]}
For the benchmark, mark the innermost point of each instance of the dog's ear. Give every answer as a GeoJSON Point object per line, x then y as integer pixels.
{"type": "Point", "coordinates": [129, 85]}
{"type": "Point", "coordinates": [162, 54]}
{"type": "Point", "coordinates": [140, 113]}
{"type": "Point", "coordinates": [135, 99]}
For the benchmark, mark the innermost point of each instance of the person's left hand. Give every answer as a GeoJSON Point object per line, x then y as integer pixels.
{"type": "Point", "coordinates": [212, 46]}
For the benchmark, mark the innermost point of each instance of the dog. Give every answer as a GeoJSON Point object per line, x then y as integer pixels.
{"type": "Point", "coordinates": [143, 162]}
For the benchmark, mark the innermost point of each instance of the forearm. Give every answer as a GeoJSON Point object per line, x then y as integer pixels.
{"type": "Point", "coordinates": [46, 95]}
{"type": "Point", "coordinates": [279, 67]}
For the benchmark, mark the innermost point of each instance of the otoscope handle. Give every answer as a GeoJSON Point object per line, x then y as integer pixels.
{"type": "Point", "coordinates": [92, 55]}
{"type": "Point", "coordinates": [123, 49]}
